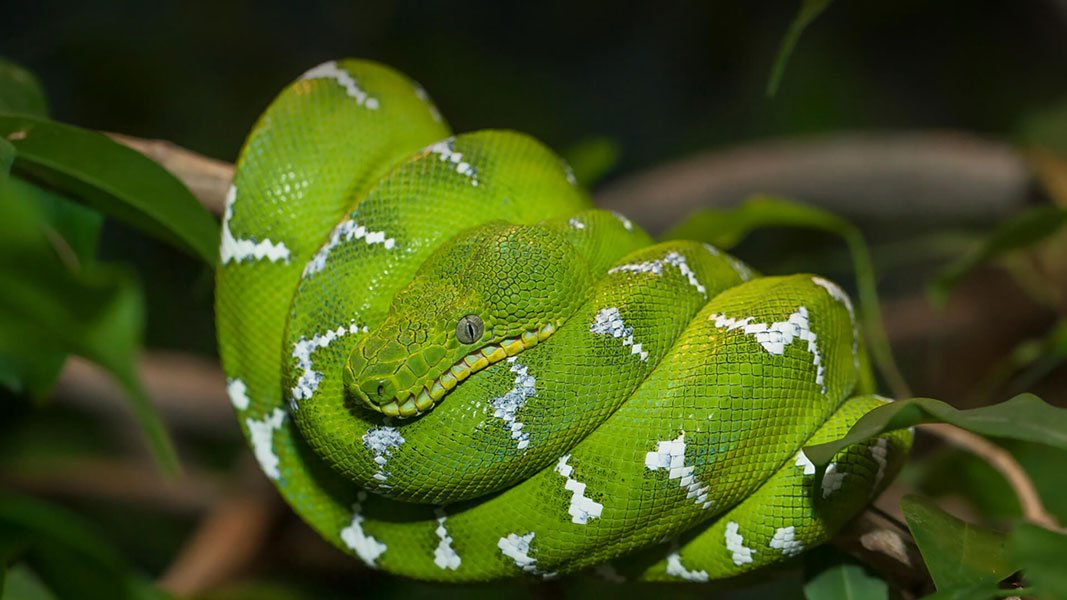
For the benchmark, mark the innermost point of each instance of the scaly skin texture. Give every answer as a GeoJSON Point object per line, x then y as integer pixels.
{"type": "Point", "coordinates": [613, 394]}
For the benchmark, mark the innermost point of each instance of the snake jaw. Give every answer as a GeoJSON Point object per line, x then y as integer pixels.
{"type": "Point", "coordinates": [413, 405]}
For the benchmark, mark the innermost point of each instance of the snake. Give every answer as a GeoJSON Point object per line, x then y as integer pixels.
{"type": "Point", "coordinates": [455, 368]}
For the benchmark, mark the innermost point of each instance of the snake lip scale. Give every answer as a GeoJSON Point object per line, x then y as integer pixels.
{"type": "Point", "coordinates": [614, 405]}
{"type": "Point", "coordinates": [405, 406]}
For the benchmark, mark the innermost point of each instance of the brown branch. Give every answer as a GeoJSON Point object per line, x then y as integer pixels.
{"type": "Point", "coordinates": [1001, 460]}
{"type": "Point", "coordinates": [945, 176]}
{"type": "Point", "coordinates": [188, 390]}
{"type": "Point", "coordinates": [128, 481]}
{"type": "Point", "coordinates": [228, 538]}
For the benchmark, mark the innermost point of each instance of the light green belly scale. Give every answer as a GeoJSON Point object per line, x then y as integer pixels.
{"type": "Point", "coordinates": [654, 433]}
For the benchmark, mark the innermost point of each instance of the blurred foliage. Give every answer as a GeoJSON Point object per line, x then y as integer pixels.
{"type": "Point", "coordinates": [958, 554]}
{"type": "Point", "coordinates": [831, 575]}
{"type": "Point", "coordinates": [1020, 232]}
{"type": "Point", "coordinates": [1042, 552]}
{"type": "Point", "coordinates": [65, 554]}
{"type": "Point", "coordinates": [616, 89]}
{"type": "Point", "coordinates": [809, 11]}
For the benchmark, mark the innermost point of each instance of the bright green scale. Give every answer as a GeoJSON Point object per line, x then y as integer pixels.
{"type": "Point", "coordinates": [455, 369]}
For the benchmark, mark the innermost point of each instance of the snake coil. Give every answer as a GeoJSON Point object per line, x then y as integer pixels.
{"type": "Point", "coordinates": [454, 368]}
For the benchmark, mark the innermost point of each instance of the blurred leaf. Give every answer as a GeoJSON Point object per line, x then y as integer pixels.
{"type": "Point", "coordinates": [592, 158]}
{"type": "Point", "coordinates": [1041, 554]}
{"type": "Point", "coordinates": [1027, 363]}
{"type": "Point", "coordinates": [959, 474]}
{"type": "Point", "coordinates": [19, 91]}
{"type": "Point", "coordinates": [845, 582]}
{"type": "Point", "coordinates": [52, 306]}
{"type": "Point", "coordinates": [726, 228]}
{"type": "Point", "coordinates": [117, 180]}
{"type": "Point", "coordinates": [7, 157]}
{"type": "Point", "coordinates": [1046, 128]}
{"type": "Point", "coordinates": [1019, 232]}
{"type": "Point", "coordinates": [70, 558]}
{"type": "Point", "coordinates": [959, 555]}
{"type": "Point", "coordinates": [73, 230]}
{"type": "Point", "coordinates": [981, 591]}
{"type": "Point", "coordinates": [22, 584]}
{"type": "Point", "coordinates": [1024, 417]}
{"type": "Point", "coordinates": [1046, 467]}
{"type": "Point", "coordinates": [1051, 171]}
{"type": "Point", "coordinates": [809, 11]}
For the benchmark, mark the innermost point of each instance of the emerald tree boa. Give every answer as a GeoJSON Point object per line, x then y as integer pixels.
{"type": "Point", "coordinates": [455, 368]}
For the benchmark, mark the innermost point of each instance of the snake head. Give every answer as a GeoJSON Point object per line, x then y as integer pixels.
{"type": "Point", "coordinates": [487, 294]}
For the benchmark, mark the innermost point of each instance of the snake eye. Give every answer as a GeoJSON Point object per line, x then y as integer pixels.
{"type": "Point", "coordinates": [469, 329]}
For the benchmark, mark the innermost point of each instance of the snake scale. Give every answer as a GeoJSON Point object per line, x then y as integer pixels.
{"type": "Point", "coordinates": [454, 368]}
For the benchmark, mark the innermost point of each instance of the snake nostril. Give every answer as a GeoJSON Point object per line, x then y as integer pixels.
{"type": "Point", "coordinates": [381, 389]}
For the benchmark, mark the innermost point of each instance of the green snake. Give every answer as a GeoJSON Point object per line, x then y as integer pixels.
{"type": "Point", "coordinates": [454, 368]}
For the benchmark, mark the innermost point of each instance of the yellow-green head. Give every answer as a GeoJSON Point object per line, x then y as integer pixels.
{"type": "Point", "coordinates": [484, 296]}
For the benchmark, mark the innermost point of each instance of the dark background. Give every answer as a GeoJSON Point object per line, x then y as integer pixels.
{"type": "Point", "coordinates": [648, 84]}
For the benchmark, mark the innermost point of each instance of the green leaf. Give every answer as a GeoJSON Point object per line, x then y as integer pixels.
{"type": "Point", "coordinates": [114, 179]}
{"type": "Point", "coordinates": [19, 91]}
{"type": "Point", "coordinates": [845, 581]}
{"type": "Point", "coordinates": [591, 158]}
{"type": "Point", "coordinates": [1025, 417]}
{"type": "Point", "coordinates": [809, 10]}
{"type": "Point", "coordinates": [1041, 554]}
{"type": "Point", "coordinates": [1023, 230]}
{"type": "Point", "coordinates": [726, 228]}
{"type": "Point", "coordinates": [52, 306]}
{"type": "Point", "coordinates": [958, 555]}
{"type": "Point", "coordinates": [23, 584]}
{"type": "Point", "coordinates": [67, 554]}
{"type": "Point", "coordinates": [73, 231]}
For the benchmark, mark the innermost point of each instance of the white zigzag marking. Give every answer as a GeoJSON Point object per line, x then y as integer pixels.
{"type": "Point", "coordinates": [675, 568]}
{"type": "Point", "coordinates": [735, 543]}
{"type": "Point", "coordinates": [839, 295]}
{"type": "Point", "coordinates": [238, 393]}
{"type": "Point", "coordinates": [309, 378]}
{"type": "Point", "coordinates": [365, 546]}
{"type": "Point", "coordinates": [582, 509]}
{"type": "Point", "coordinates": [774, 337]}
{"type": "Point", "coordinates": [655, 267]}
{"type": "Point", "coordinates": [444, 556]}
{"type": "Point", "coordinates": [832, 479]}
{"type": "Point", "coordinates": [346, 231]}
{"type": "Point", "coordinates": [626, 223]}
{"type": "Point", "coordinates": [330, 70]}
{"type": "Point", "coordinates": [670, 456]}
{"type": "Point", "coordinates": [446, 149]}
{"type": "Point", "coordinates": [236, 250]}
{"type": "Point", "coordinates": [517, 548]}
{"type": "Point", "coordinates": [381, 441]}
{"type": "Point", "coordinates": [785, 540]}
{"type": "Point", "coordinates": [504, 407]}
{"type": "Point", "coordinates": [608, 321]}
{"type": "Point", "coordinates": [262, 434]}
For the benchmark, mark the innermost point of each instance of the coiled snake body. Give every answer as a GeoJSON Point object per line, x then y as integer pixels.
{"type": "Point", "coordinates": [455, 369]}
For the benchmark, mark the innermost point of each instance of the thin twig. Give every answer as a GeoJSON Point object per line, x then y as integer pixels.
{"type": "Point", "coordinates": [1001, 460]}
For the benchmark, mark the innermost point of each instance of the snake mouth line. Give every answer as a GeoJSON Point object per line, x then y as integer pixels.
{"type": "Point", "coordinates": [427, 397]}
